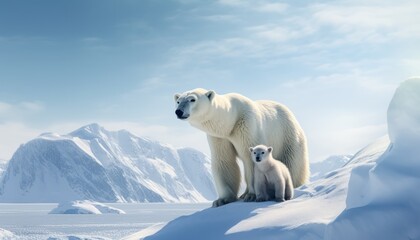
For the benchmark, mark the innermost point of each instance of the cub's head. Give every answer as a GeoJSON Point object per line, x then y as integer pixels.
{"type": "Point", "coordinates": [260, 153]}
{"type": "Point", "coordinates": [194, 104]}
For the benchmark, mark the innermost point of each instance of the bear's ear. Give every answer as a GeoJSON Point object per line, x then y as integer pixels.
{"type": "Point", "coordinates": [270, 149]}
{"type": "Point", "coordinates": [210, 94]}
{"type": "Point", "coordinates": [176, 96]}
{"type": "Point", "coordinates": [251, 149]}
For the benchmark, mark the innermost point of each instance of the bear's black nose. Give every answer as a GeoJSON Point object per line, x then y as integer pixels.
{"type": "Point", "coordinates": [179, 113]}
{"type": "Point", "coordinates": [257, 158]}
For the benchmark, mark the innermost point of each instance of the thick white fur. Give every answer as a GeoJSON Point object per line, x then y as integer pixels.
{"type": "Point", "coordinates": [233, 123]}
{"type": "Point", "coordinates": [272, 178]}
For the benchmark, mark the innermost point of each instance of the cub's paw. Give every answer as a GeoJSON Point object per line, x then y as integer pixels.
{"type": "Point", "coordinates": [279, 199]}
{"type": "Point", "coordinates": [222, 201]}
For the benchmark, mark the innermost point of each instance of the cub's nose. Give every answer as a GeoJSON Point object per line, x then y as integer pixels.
{"type": "Point", "coordinates": [257, 158]}
{"type": "Point", "coordinates": [179, 113]}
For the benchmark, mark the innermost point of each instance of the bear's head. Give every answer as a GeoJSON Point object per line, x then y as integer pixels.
{"type": "Point", "coordinates": [260, 153]}
{"type": "Point", "coordinates": [193, 105]}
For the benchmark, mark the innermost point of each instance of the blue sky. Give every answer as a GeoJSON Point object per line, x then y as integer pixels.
{"type": "Point", "coordinates": [336, 64]}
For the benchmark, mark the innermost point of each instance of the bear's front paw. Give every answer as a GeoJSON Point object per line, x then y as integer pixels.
{"type": "Point", "coordinates": [249, 197]}
{"type": "Point", "coordinates": [279, 199]}
{"type": "Point", "coordinates": [222, 201]}
{"type": "Point", "coordinates": [261, 199]}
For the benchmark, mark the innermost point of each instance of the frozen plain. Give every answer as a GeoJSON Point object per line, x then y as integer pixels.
{"type": "Point", "coordinates": [32, 221]}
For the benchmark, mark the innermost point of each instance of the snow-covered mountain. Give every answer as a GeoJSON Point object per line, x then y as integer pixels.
{"type": "Point", "coordinates": [3, 165]}
{"type": "Point", "coordinates": [96, 164]}
{"type": "Point", "coordinates": [374, 196]}
{"type": "Point", "coordinates": [319, 169]}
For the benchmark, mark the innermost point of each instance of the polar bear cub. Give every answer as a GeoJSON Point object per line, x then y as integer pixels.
{"type": "Point", "coordinates": [272, 178]}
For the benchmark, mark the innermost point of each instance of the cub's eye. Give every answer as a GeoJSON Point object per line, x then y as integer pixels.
{"type": "Point", "coordinates": [255, 153]}
{"type": "Point", "coordinates": [177, 102]}
{"type": "Point", "coordinates": [262, 153]}
{"type": "Point", "coordinates": [192, 100]}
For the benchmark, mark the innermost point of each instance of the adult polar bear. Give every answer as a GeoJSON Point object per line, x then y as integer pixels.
{"type": "Point", "coordinates": [234, 123]}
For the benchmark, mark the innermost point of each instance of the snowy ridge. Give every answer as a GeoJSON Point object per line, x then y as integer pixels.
{"type": "Point", "coordinates": [96, 164]}
{"type": "Point", "coordinates": [3, 166]}
{"type": "Point", "coordinates": [373, 196]}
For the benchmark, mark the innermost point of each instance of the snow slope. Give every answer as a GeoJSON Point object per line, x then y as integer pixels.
{"type": "Point", "coordinates": [373, 196]}
{"type": "Point", "coordinates": [96, 164]}
{"type": "Point", "coordinates": [85, 207]}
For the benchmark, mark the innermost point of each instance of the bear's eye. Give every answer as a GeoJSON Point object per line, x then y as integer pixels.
{"type": "Point", "coordinates": [262, 153]}
{"type": "Point", "coordinates": [255, 153]}
{"type": "Point", "coordinates": [177, 102]}
{"type": "Point", "coordinates": [192, 100]}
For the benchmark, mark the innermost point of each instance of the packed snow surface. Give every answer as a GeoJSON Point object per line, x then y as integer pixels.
{"type": "Point", "coordinates": [373, 196]}
{"type": "Point", "coordinates": [31, 221]}
{"type": "Point", "coordinates": [105, 166]}
{"type": "Point", "coordinates": [85, 207]}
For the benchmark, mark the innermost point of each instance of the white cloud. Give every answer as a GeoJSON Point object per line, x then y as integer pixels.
{"type": "Point", "coordinates": [221, 18]}
{"type": "Point", "coordinates": [5, 107]}
{"type": "Point", "coordinates": [232, 2]}
{"type": "Point", "coordinates": [361, 22]}
{"type": "Point", "coordinates": [20, 110]}
{"type": "Point", "coordinates": [259, 6]}
{"type": "Point", "coordinates": [273, 7]}
{"type": "Point", "coordinates": [281, 32]}
{"type": "Point", "coordinates": [205, 51]}
{"type": "Point", "coordinates": [13, 134]}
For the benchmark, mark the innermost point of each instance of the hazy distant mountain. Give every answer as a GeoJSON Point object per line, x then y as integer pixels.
{"type": "Point", "coordinates": [3, 165]}
{"type": "Point", "coordinates": [319, 169]}
{"type": "Point", "coordinates": [96, 164]}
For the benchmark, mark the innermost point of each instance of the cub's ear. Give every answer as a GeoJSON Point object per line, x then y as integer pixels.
{"type": "Point", "coordinates": [270, 149]}
{"type": "Point", "coordinates": [251, 149]}
{"type": "Point", "coordinates": [176, 96]}
{"type": "Point", "coordinates": [210, 94]}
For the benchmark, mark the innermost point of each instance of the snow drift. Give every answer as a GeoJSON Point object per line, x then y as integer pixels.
{"type": "Point", "coordinates": [383, 201]}
{"type": "Point", "coordinates": [373, 196]}
{"type": "Point", "coordinates": [85, 207]}
{"type": "Point", "coordinates": [96, 164]}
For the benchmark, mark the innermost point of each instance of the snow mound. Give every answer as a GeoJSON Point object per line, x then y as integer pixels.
{"type": "Point", "coordinates": [6, 235]}
{"type": "Point", "coordinates": [373, 196]}
{"type": "Point", "coordinates": [71, 237]}
{"type": "Point", "coordinates": [382, 200]}
{"type": "Point", "coordinates": [85, 207]}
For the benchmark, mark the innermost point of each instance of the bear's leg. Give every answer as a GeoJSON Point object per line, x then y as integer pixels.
{"type": "Point", "coordinates": [279, 187]}
{"type": "Point", "coordinates": [289, 189]}
{"type": "Point", "coordinates": [249, 194]}
{"type": "Point", "coordinates": [260, 185]}
{"type": "Point", "coordinates": [225, 170]}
